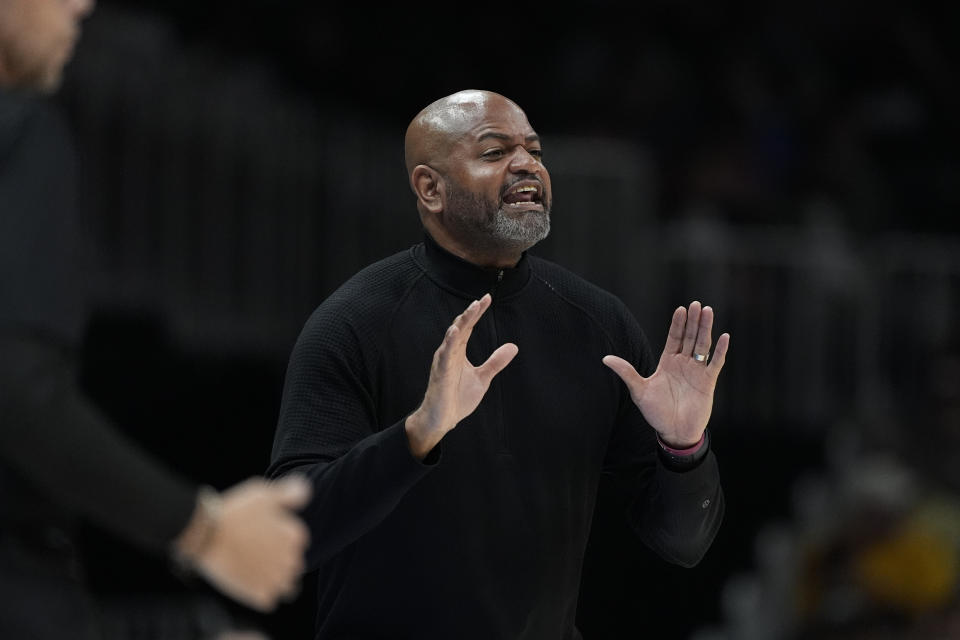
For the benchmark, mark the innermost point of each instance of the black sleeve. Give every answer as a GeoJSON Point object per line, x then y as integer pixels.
{"type": "Point", "coordinates": [50, 434]}
{"type": "Point", "coordinates": [43, 251]}
{"type": "Point", "coordinates": [328, 429]}
{"type": "Point", "coordinates": [61, 443]}
{"type": "Point", "coordinates": [55, 438]}
{"type": "Point", "coordinates": [676, 510]}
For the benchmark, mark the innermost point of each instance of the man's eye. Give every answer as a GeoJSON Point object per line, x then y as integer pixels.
{"type": "Point", "coordinates": [536, 153]}
{"type": "Point", "coordinates": [493, 154]}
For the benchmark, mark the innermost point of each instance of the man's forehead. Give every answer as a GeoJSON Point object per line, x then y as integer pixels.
{"type": "Point", "coordinates": [512, 124]}
{"type": "Point", "coordinates": [477, 114]}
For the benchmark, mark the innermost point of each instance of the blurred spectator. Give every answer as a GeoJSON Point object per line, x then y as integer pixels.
{"type": "Point", "coordinates": [59, 457]}
{"type": "Point", "coordinates": [871, 552]}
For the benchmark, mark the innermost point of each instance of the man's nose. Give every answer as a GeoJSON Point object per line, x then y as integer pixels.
{"type": "Point", "coordinates": [525, 162]}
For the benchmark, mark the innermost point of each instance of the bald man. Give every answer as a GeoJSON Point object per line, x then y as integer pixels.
{"type": "Point", "coordinates": [454, 499]}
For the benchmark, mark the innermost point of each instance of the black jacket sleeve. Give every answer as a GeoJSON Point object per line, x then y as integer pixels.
{"type": "Point", "coordinates": [676, 513]}
{"type": "Point", "coordinates": [54, 437]}
{"type": "Point", "coordinates": [328, 430]}
{"type": "Point", "coordinates": [51, 437]}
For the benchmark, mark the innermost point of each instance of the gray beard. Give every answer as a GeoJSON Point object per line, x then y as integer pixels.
{"type": "Point", "coordinates": [489, 226]}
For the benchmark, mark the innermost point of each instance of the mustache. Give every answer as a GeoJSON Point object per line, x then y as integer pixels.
{"type": "Point", "coordinates": [531, 178]}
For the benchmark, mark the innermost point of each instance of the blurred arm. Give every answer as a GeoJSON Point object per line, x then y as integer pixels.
{"type": "Point", "coordinates": [53, 436]}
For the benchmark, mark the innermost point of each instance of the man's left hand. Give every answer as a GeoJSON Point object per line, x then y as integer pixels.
{"type": "Point", "coordinates": [678, 397]}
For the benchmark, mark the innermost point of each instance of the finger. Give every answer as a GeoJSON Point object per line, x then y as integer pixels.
{"type": "Point", "coordinates": [291, 592]}
{"type": "Point", "coordinates": [455, 339]}
{"type": "Point", "coordinates": [467, 320]}
{"type": "Point", "coordinates": [268, 603]}
{"type": "Point", "coordinates": [497, 361]}
{"type": "Point", "coordinates": [634, 381]}
{"type": "Point", "coordinates": [299, 564]}
{"type": "Point", "coordinates": [288, 586]}
{"type": "Point", "coordinates": [719, 354]}
{"type": "Point", "coordinates": [292, 492]}
{"type": "Point", "coordinates": [675, 334]}
{"type": "Point", "coordinates": [704, 331]}
{"type": "Point", "coordinates": [690, 330]}
{"type": "Point", "coordinates": [252, 481]}
{"type": "Point", "coordinates": [285, 572]}
{"type": "Point", "coordinates": [293, 534]}
{"type": "Point", "coordinates": [259, 601]}
{"type": "Point", "coordinates": [301, 535]}
{"type": "Point", "coordinates": [442, 357]}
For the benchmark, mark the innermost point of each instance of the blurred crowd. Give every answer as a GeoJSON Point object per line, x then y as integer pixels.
{"type": "Point", "coordinates": [755, 107]}
{"type": "Point", "coordinates": [870, 551]}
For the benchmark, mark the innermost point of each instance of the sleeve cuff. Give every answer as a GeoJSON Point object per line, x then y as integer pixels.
{"type": "Point", "coordinates": [683, 459]}
{"type": "Point", "coordinates": [432, 457]}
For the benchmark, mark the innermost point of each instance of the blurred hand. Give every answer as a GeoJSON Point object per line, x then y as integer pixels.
{"type": "Point", "coordinates": [677, 398]}
{"type": "Point", "coordinates": [255, 549]}
{"type": "Point", "coordinates": [456, 387]}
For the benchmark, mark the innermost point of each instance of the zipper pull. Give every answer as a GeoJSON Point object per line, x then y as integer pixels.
{"type": "Point", "coordinates": [496, 285]}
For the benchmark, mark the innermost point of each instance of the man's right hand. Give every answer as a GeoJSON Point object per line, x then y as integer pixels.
{"type": "Point", "coordinates": [456, 386]}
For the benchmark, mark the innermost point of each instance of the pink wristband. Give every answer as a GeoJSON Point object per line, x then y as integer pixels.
{"type": "Point", "coordinates": [689, 451]}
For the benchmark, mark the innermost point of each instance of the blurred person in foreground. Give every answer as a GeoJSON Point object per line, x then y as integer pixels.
{"type": "Point", "coordinates": [463, 494]}
{"type": "Point", "coordinates": [59, 457]}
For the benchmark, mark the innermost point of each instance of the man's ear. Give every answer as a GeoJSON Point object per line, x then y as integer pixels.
{"type": "Point", "coordinates": [428, 185]}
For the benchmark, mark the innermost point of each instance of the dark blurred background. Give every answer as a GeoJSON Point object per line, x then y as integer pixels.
{"type": "Point", "coordinates": [793, 165]}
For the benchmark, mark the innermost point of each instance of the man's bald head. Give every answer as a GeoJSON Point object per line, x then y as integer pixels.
{"type": "Point", "coordinates": [440, 124]}
{"type": "Point", "coordinates": [474, 163]}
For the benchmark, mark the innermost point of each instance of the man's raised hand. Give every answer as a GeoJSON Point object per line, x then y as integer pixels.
{"type": "Point", "coordinates": [456, 386]}
{"type": "Point", "coordinates": [677, 398]}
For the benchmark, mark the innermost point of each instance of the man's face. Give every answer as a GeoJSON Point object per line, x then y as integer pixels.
{"type": "Point", "coordinates": [498, 190]}
{"type": "Point", "coordinates": [37, 39]}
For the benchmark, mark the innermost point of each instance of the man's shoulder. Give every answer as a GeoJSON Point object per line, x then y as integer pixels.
{"type": "Point", "coordinates": [370, 292]}
{"type": "Point", "coordinates": [385, 273]}
{"type": "Point", "coordinates": [605, 309]}
{"type": "Point", "coordinates": [575, 288]}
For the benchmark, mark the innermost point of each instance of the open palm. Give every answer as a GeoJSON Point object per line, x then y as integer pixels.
{"type": "Point", "coordinates": [456, 386]}
{"type": "Point", "coordinates": [677, 398]}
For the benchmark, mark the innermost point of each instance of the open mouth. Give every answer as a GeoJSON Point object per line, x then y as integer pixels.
{"type": "Point", "coordinates": [526, 194]}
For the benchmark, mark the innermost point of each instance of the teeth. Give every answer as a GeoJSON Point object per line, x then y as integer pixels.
{"type": "Point", "coordinates": [524, 189]}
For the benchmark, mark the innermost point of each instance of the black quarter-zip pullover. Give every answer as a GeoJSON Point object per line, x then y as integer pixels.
{"type": "Point", "coordinates": [486, 538]}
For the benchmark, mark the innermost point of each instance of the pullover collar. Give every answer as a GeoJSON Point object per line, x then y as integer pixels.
{"type": "Point", "coordinates": [466, 278]}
